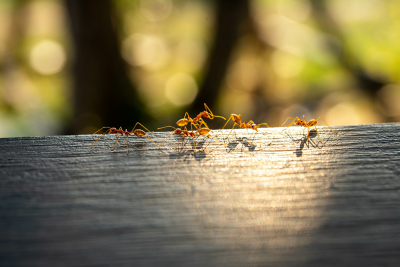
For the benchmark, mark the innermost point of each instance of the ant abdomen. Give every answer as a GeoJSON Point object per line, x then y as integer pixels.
{"type": "Point", "coordinates": [182, 122]}
{"type": "Point", "coordinates": [139, 132]}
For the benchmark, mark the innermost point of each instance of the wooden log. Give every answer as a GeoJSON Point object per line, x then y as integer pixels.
{"type": "Point", "coordinates": [286, 202]}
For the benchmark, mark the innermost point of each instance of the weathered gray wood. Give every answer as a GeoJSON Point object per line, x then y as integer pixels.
{"type": "Point", "coordinates": [286, 203]}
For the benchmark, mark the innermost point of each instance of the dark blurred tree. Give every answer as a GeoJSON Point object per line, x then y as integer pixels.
{"type": "Point", "coordinates": [101, 86]}
{"type": "Point", "coordinates": [12, 57]}
{"type": "Point", "coordinates": [231, 22]}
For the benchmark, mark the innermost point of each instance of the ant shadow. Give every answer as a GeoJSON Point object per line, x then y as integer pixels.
{"type": "Point", "coordinates": [184, 153]}
{"type": "Point", "coordinates": [232, 145]}
{"type": "Point", "coordinates": [110, 143]}
{"type": "Point", "coordinates": [249, 143]}
{"type": "Point", "coordinates": [307, 141]}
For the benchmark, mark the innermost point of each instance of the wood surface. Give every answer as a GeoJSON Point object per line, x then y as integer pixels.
{"type": "Point", "coordinates": [286, 202]}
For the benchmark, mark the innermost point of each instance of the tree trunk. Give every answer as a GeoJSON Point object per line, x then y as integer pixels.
{"type": "Point", "coordinates": [101, 86]}
{"type": "Point", "coordinates": [230, 19]}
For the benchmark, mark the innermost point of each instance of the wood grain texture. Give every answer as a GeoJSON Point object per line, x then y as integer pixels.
{"type": "Point", "coordinates": [288, 202]}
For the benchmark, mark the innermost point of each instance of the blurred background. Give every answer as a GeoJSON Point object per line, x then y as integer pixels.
{"type": "Point", "coordinates": [71, 67]}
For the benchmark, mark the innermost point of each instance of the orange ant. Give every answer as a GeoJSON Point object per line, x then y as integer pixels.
{"type": "Point", "coordinates": [186, 133]}
{"type": "Point", "coordinates": [198, 119]}
{"type": "Point", "coordinates": [120, 132]}
{"type": "Point", "coordinates": [310, 123]}
{"type": "Point", "coordinates": [238, 121]}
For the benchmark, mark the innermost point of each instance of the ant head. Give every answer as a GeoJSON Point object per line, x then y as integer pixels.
{"type": "Point", "coordinates": [254, 127]}
{"type": "Point", "coordinates": [206, 114]}
{"type": "Point", "coordinates": [178, 131]}
{"type": "Point", "coordinates": [113, 130]}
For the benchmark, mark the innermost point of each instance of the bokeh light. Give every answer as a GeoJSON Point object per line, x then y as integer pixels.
{"type": "Point", "coordinates": [145, 50]}
{"type": "Point", "coordinates": [286, 65]}
{"type": "Point", "coordinates": [181, 89]}
{"type": "Point", "coordinates": [47, 57]}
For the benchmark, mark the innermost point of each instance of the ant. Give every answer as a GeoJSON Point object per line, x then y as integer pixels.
{"type": "Point", "coordinates": [198, 119]}
{"type": "Point", "coordinates": [310, 123]}
{"type": "Point", "coordinates": [120, 132]}
{"type": "Point", "coordinates": [186, 133]}
{"type": "Point", "coordinates": [238, 121]}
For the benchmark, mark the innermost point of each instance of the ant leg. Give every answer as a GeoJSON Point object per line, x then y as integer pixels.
{"type": "Point", "coordinates": [100, 136]}
{"type": "Point", "coordinates": [100, 130]}
{"type": "Point", "coordinates": [142, 126]}
{"type": "Point", "coordinates": [116, 140]}
{"type": "Point", "coordinates": [118, 136]}
{"type": "Point", "coordinates": [291, 122]}
{"type": "Point", "coordinates": [127, 149]}
{"type": "Point", "coordinates": [263, 124]}
{"type": "Point", "coordinates": [203, 122]}
{"type": "Point", "coordinates": [209, 111]}
{"type": "Point", "coordinates": [166, 138]}
{"type": "Point", "coordinates": [212, 116]}
{"type": "Point", "coordinates": [180, 141]}
{"type": "Point", "coordinates": [166, 127]}
{"type": "Point", "coordinates": [151, 141]}
{"type": "Point", "coordinates": [212, 136]}
{"type": "Point", "coordinates": [318, 134]}
{"type": "Point", "coordinates": [187, 115]}
{"type": "Point", "coordinates": [326, 124]}
{"type": "Point", "coordinates": [227, 122]}
{"type": "Point", "coordinates": [195, 125]}
{"type": "Point", "coordinates": [232, 130]}
{"type": "Point", "coordinates": [194, 144]}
